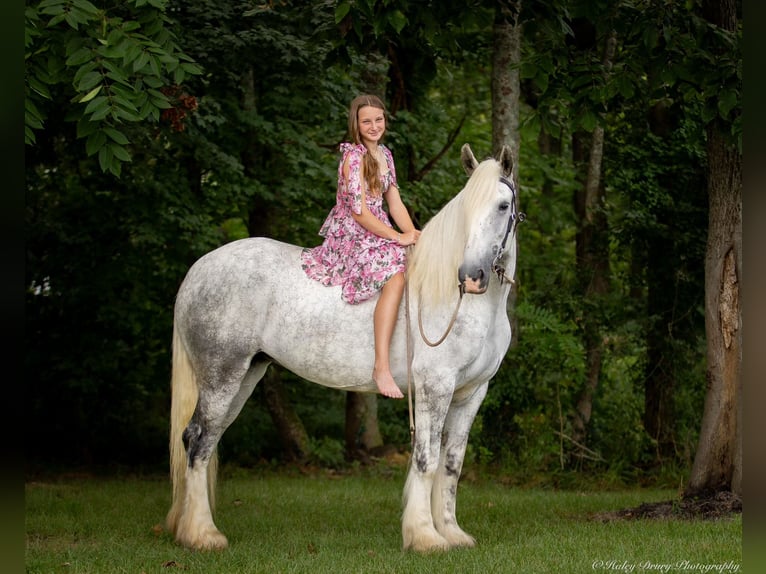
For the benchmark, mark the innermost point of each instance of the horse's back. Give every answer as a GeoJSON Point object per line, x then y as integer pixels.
{"type": "Point", "coordinates": [227, 291]}
{"type": "Point", "coordinates": [244, 260]}
{"type": "Point", "coordinates": [252, 296]}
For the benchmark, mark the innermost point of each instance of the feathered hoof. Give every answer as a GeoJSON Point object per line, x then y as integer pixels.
{"type": "Point", "coordinates": [456, 538]}
{"type": "Point", "coordinates": [425, 543]}
{"type": "Point", "coordinates": [208, 539]}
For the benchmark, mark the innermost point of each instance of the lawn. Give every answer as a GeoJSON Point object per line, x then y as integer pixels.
{"type": "Point", "coordinates": [282, 522]}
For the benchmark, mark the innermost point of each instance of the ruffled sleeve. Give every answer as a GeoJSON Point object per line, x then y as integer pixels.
{"type": "Point", "coordinates": [391, 167]}
{"type": "Point", "coordinates": [351, 195]}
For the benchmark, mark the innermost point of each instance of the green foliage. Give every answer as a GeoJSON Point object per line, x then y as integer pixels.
{"type": "Point", "coordinates": [102, 67]}
{"type": "Point", "coordinates": [523, 411]}
{"type": "Point", "coordinates": [327, 452]}
{"type": "Point", "coordinates": [258, 156]}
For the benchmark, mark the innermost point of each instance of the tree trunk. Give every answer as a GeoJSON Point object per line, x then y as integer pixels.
{"type": "Point", "coordinates": [292, 433]}
{"type": "Point", "coordinates": [592, 257]}
{"type": "Point", "coordinates": [506, 91]}
{"type": "Point", "coordinates": [718, 460]}
{"type": "Point", "coordinates": [506, 55]}
{"type": "Point", "coordinates": [660, 370]}
{"type": "Point", "coordinates": [362, 432]}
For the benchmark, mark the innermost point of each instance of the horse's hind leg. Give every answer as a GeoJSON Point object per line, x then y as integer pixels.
{"type": "Point", "coordinates": [457, 427]}
{"type": "Point", "coordinates": [217, 407]}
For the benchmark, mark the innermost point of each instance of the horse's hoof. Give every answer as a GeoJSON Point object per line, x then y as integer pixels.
{"type": "Point", "coordinates": [207, 540]}
{"type": "Point", "coordinates": [424, 544]}
{"type": "Point", "coordinates": [459, 539]}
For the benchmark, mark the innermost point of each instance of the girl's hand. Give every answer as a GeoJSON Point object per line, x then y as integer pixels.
{"type": "Point", "coordinates": [409, 237]}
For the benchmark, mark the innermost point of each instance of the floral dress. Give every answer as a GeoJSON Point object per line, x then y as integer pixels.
{"type": "Point", "coordinates": [350, 256]}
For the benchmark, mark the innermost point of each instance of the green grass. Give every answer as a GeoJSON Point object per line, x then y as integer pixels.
{"type": "Point", "coordinates": [287, 522]}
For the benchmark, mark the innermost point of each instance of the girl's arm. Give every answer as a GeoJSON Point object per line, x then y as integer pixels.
{"type": "Point", "coordinates": [396, 207]}
{"type": "Point", "coordinates": [398, 210]}
{"type": "Point", "coordinates": [365, 218]}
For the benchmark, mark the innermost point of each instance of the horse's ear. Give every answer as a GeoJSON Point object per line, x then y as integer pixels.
{"type": "Point", "coordinates": [506, 161]}
{"type": "Point", "coordinates": [468, 159]}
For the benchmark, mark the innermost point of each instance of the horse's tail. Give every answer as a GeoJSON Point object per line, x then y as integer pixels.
{"type": "Point", "coordinates": [184, 395]}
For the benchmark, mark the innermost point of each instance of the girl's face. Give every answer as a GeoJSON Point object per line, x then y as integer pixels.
{"type": "Point", "coordinates": [372, 124]}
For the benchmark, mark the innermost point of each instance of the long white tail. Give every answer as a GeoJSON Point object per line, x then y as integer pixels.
{"type": "Point", "coordinates": [184, 395]}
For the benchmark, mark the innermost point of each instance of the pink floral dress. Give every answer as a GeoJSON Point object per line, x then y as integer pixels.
{"type": "Point", "coordinates": [350, 255]}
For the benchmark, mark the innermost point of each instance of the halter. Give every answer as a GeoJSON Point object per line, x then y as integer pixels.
{"type": "Point", "coordinates": [513, 221]}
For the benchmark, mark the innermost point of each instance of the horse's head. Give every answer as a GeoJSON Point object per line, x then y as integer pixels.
{"type": "Point", "coordinates": [491, 245]}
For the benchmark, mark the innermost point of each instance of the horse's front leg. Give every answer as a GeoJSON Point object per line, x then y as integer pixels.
{"type": "Point", "coordinates": [457, 427]}
{"type": "Point", "coordinates": [433, 397]}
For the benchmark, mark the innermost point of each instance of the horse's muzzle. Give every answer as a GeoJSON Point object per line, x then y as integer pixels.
{"type": "Point", "coordinates": [474, 282]}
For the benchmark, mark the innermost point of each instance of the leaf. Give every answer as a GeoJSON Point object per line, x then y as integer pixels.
{"type": "Point", "coordinates": [141, 61]}
{"type": "Point", "coordinates": [116, 168]}
{"type": "Point", "coordinates": [33, 115]}
{"type": "Point", "coordinates": [100, 114]}
{"type": "Point", "coordinates": [726, 102]}
{"type": "Point", "coordinates": [39, 87]}
{"type": "Point", "coordinates": [96, 103]}
{"type": "Point", "coordinates": [192, 68]}
{"type": "Point", "coordinates": [84, 54]}
{"type": "Point", "coordinates": [86, 7]}
{"type": "Point", "coordinates": [154, 64]}
{"type": "Point", "coordinates": [54, 8]}
{"type": "Point", "coordinates": [88, 82]}
{"type": "Point", "coordinates": [179, 75]}
{"type": "Point", "coordinates": [397, 21]}
{"type": "Point", "coordinates": [95, 142]}
{"type": "Point", "coordinates": [341, 11]}
{"type": "Point", "coordinates": [588, 121]}
{"type": "Point", "coordinates": [120, 152]}
{"type": "Point", "coordinates": [625, 86]}
{"type": "Point", "coordinates": [117, 136]}
{"type": "Point", "coordinates": [105, 157]}
{"type": "Point", "coordinates": [86, 127]}
{"type": "Point", "coordinates": [542, 81]}
{"type": "Point", "coordinates": [90, 95]}
{"type": "Point", "coordinates": [29, 136]}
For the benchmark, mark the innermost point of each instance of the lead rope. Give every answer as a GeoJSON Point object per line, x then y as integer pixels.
{"type": "Point", "coordinates": [449, 327]}
{"type": "Point", "coordinates": [429, 343]}
{"type": "Point", "coordinates": [409, 358]}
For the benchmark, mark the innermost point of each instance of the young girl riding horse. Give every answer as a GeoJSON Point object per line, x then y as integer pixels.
{"type": "Point", "coordinates": [361, 249]}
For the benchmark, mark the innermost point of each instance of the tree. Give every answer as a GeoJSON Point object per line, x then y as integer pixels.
{"type": "Point", "coordinates": [592, 251]}
{"type": "Point", "coordinates": [506, 100]}
{"type": "Point", "coordinates": [104, 67]}
{"type": "Point", "coordinates": [718, 461]}
{"type": "Point", "coordinates": [506, 96]}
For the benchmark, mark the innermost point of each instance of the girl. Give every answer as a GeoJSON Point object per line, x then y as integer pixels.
{"type": "Point", "coordinates": [361, 250]}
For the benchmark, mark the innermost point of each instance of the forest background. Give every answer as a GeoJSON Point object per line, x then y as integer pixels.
{"type": "Point", "coordinates": [157, 131]}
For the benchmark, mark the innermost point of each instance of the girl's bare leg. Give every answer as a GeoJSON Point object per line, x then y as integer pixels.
{"type": "Point", "coordinates": [386, 312]}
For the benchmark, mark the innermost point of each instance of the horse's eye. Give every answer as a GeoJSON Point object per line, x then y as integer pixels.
{"type": "Point", "coordinates": [504, 206]}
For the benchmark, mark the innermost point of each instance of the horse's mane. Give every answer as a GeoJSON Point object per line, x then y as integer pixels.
{"type": "Point", "coordinates": [432, 267]}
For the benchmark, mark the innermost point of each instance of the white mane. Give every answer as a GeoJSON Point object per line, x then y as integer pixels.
{"type": "Point", "coordinates": [432, 267]}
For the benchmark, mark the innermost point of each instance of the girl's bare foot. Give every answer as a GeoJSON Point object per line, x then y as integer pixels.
{"type": "Point", "coordinates": [386, 385]}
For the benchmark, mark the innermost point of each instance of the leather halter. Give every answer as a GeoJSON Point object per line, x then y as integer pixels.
{"type": "Point", "coordinates": [515, 218]}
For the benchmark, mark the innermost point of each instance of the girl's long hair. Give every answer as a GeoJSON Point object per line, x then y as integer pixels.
{"type": "Point", "coordinates": [369, 162]}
